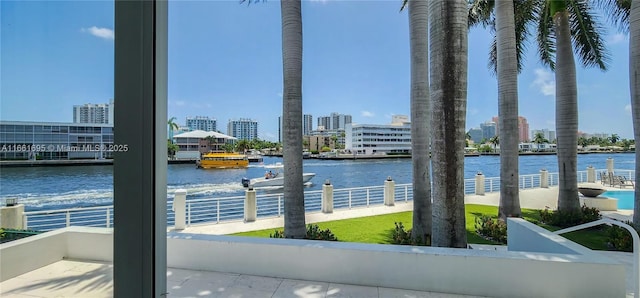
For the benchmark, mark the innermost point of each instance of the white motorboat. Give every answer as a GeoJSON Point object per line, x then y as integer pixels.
{"type": "Point", "coordinates": [273, 178]}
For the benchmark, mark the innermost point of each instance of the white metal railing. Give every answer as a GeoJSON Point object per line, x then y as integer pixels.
{"type": "Point", "coordinates": [216, 210]}
{"type": "Point", "coordinates": [403, 192]}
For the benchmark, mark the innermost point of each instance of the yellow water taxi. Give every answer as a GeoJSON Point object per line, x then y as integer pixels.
{"type": "Point", "coordinates": [214, 160]}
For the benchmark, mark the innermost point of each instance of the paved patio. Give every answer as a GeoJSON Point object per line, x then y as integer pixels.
{"type": "Point", "coordinates": [69, 278]}
{"type": "Point", "coordinates": [81, 278]}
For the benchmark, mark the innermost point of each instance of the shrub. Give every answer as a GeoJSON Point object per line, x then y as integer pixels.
{"type": "Point", "coordinates": [491, 228]}
{"type": "Point", "coordinates": [313, 233]}
{"type": "Point", "coordinates": [403, 237]}
{"type": "Point", "coordinates": [568, 219]}
{"type": "Point", "coordinates": [619, 238]}
{"type": "Point", "coordinates": [7, 235]}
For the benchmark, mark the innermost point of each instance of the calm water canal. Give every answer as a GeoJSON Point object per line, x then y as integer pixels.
{"type": "Point", "coordinates": [44, 188]}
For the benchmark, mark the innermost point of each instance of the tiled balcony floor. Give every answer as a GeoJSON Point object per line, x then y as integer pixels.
{"type": "Point", "coordinates": [69, 278]}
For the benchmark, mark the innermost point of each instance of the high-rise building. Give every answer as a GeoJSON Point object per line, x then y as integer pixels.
{"type": "Point", "coordinates": [476, 135]}
{"type": "Point", "coordinates": [202, 123]}
{"type": "Point", "coordinates": [93, 113]}
{"type": "Point", "coordinates": [489, 130]}
{"type": "Point", "coordinates": [243, 129]}
{"type": "Point", "coordinates": [339, 121]}
{"type": "Point", "coordinates": [307, 124]}
{"type": "Point", "coordinates": [325, 122]}
{"type": "Point", "coordinates": [523, 128]}
{"type": "Point", "coordinates": [335, 121]}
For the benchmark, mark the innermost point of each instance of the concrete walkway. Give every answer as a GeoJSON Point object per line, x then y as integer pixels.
{"type": "Point", "coordinates": [69, 278]}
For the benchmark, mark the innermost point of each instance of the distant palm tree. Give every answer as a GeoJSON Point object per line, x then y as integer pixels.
{"type": "Point", "coordinates": [614, 138]}
{"type": "Point", "coordinates": [560, 24]}
{"type": "Point", "coordinates": [495, 141]}
{"type": "Point", "coordinates": [420, 130]}
{"type": "Point", "coordinates": [448, 50]}
{"type": "Point", "coordinates": [172, 126]}
{"type": "Point", "coordinates": [539, 138]}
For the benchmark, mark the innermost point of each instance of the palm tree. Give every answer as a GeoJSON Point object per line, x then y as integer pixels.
{"type": "Point", "coordinates": [294, 214]}
{"type": "Point", "coordinates": [448, 93]}
{"type": "Point", "coordinates": [495, 141]}
{"type": "Point", "coordinates": [420, 159]}
{"type": "Point", "coordinates": [614, 138]}
{"type": "Point", "coordinates": [172, 126]}
{"type": "Point", "coordinates": [560, 23]}
{"type": "Point", "coordinates": [634, 82]}
{"type": "Point", "coordinates": [512, 19]}
{"type": "Point", "coordinates": [539, 139]}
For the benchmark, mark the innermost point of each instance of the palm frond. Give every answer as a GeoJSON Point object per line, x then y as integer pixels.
{"type": "Point", "coordinates": [617, 12]}
{"type": "Point", "coordinates": [404, 5]}
{"type": "Point", "coordinates": [525, 12]}
{"type": "Point", "coordinates": [546, 36]}
{"type": "Point", "coordinates": [481, 13]}
{"type": "Point", "coordinates": [493, 56]}
{"type": "Point", "coordinates": [585, 35]}
{"type": "Point", "coordinates": [251, 1]}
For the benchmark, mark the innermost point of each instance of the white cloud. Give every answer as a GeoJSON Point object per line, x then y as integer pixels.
{"type": "Point", "coordinates": [627, 108]}
{"type": "Point", "coordinates": [105, 33]}
{"type": "Point", "coordinates": [366, 114]}
{"type": "Point", "coordinates": [279, 94]}
{"type": "Point", "coordinates": [472, 111]}
{"type": "Point", "coordinates": [544, 81]}
{"type": "Point", "coordinates": [321, 1]}
{"type": "Point", "coordinates": [617, 38]}
{"type": "Point", "coordinates": [179, 103]}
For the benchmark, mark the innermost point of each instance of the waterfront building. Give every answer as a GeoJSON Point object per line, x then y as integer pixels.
{"type": "Point", "coordinates": [372, 139]}
{"type": "Point", "coordinates": [317, 142]}
{"type": "Point", "coordinates": [94, 113]}
{"type": "Point", "coordinates": [23, 140]}
{"type": "Point", "coordinates": [243, 129]}
{"type": "Point", "coordinates": [202, 141]}
{"type": "Point", "coordinates": [202, 123]}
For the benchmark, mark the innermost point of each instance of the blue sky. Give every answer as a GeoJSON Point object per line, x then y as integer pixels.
{"type": "Point", "coordinates": [225, 62]}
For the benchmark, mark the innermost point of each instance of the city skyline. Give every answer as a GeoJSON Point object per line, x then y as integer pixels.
{"type": "Point", "coordinates": [356, 62]}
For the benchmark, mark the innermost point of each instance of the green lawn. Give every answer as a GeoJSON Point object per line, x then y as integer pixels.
{"type": "Point", "coordinates": [377, 229]}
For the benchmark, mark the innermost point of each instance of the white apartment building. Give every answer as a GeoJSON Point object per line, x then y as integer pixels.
{"type": "Point", "coordinates": [93, 113]}
{"type": "Point", "coordinates": [243, 129]}
{"type": "Point", "coordinates": [202, 123]}
{"type": "Point", "coordinates": [370, 139]}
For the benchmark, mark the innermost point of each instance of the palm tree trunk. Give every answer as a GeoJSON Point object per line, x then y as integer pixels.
{"type": "Point", "coordinates": [507, 70]}
{"type": "Point", "coordinates": [294, 213]}
{"type": "Point", "coordinates": [448, 49]}
{"type": "Point", "coordinates": [419, 39]}
{"type": "Point", "coordinates": [566, 115]}
{"type": "Point", "coordinates": [634, 86]}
